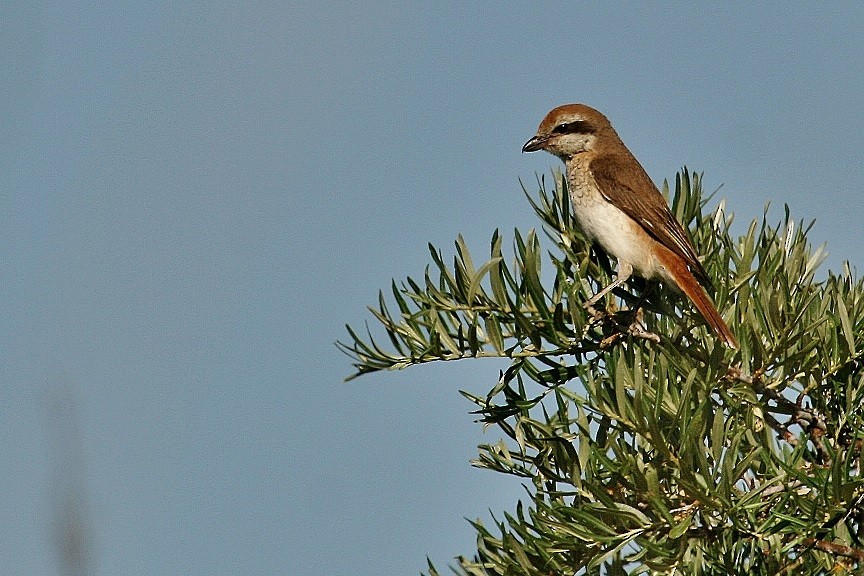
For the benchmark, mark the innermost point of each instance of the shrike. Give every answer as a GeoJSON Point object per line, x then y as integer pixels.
{"type": "Point", "coordinates": [618, 206]}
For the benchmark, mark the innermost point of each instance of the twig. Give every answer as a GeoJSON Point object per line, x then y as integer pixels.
{"type": "Point", "coordinates": [634, 329]}
{"type": "Point", "coordinates": [810, 421]}
{"type": "Point", "coordinates": [796, 486]}
{"type": "Point", "coordinates": [836, 549]}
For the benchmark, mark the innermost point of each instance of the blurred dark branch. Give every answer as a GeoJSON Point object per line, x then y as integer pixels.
{"type": "Point", "coordinates": [809, 420]}
{"type": "Point", "coordinates": [71, 518]}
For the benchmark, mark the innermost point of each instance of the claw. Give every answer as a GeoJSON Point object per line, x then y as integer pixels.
{"type": "Point", "coordinates": [596, 315]}
{"type": "Point", "coordinates": [638, 332]}
{"type": "Point", "coordinates": [635, 328]}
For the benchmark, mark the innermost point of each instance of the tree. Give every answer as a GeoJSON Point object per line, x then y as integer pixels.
{"type": "Point", "coordinates": [678, 456]}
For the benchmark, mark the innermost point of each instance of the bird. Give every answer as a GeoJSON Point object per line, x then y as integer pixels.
{"type": "Point", "coordinates": [618, 206]}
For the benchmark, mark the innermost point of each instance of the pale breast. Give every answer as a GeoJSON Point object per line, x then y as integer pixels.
{"type": "Point", "coordinates": [620, 236]}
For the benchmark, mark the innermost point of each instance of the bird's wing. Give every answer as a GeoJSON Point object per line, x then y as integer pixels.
{"type": "Point", "coordinates": [624, 183]}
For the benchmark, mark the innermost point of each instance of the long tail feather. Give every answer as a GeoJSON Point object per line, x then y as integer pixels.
{"type": "Point", "coordinates": [687, 283]}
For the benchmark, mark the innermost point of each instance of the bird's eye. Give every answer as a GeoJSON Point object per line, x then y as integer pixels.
{"type": "Point", "coordinates": [575, 127]}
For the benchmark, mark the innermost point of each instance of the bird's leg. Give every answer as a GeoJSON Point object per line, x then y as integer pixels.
{"type": "Point", "coordinates": [625, 270]}
{"type": "Point", "coordinates": [637, 329]}
{"type": "Point", "coordinates": [636, 326]}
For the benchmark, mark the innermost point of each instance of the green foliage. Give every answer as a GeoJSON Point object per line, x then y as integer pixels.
{"type": "Point", "coordinates": [642, 457]}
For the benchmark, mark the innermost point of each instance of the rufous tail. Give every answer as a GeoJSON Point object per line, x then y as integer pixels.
{"type": "Point", "coordinates": [691, 287]}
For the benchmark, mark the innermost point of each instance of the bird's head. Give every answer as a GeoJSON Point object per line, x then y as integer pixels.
{"type": "Point", "coordinates": [570, 129]}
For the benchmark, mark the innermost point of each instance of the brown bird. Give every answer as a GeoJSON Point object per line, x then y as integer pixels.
{"type": "Point", "coordinates": [618, 206]}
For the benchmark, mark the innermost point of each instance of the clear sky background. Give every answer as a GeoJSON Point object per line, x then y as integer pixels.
{"type": "Point", "coordinates": [197, 196]}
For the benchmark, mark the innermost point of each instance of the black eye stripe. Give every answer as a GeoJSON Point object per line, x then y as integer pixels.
{"type": "Point", "coordinates": [575, 127]}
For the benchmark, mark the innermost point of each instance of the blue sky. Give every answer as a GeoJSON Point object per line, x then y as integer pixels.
{"type": "Point", "coordinates": [196, 197]}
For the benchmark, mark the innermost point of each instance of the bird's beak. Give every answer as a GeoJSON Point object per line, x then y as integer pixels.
{"type": "Point", "coordinates": [535, 143]}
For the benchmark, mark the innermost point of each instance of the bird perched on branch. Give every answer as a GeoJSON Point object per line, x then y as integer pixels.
{"type": "Point", "coordinates": [618, 206]}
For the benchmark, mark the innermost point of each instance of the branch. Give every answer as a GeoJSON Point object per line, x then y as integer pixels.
{"type": "Point", "coordinates": [812, 423]}
{"type": "Point", "coordinates": [836, 549]}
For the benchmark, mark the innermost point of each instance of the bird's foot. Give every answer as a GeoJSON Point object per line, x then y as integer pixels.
{"type": "Point", "coordinates": [596, 315]}
{"type": "Point", "coordinates": [620, 323]}
{"type": "Point", "coordinates": [637, 331]}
